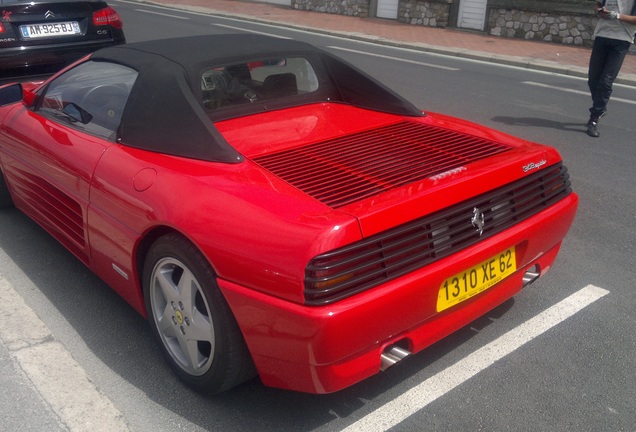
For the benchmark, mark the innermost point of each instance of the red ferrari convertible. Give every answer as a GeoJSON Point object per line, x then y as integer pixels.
{"type": "Point", "coordinates": [273, 210]}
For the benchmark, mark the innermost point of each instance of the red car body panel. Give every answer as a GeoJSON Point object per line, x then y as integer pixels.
{"type": "Point", "coordinates": [106, 202]}
{"type": "Point", "coordinates": [277, 247]}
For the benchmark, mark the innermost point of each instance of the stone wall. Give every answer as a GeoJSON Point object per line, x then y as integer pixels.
{"type": "Point", "coordinates": [567, 24]}
{"type": "Point", "coordinates": [357, 8]}
{"type": "Point", "coordinates": [424, 13]}
{"type": "Point", "coordinates": [433, 13]}
{"type": "Point", "coordinates": [569, 30]}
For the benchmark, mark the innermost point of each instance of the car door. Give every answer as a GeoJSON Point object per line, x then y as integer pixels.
{"type": "Point", "coordinates": [51, 151]}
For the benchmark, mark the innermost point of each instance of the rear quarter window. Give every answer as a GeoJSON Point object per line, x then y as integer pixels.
{"type": "Point", "coordinates": [259, 80]}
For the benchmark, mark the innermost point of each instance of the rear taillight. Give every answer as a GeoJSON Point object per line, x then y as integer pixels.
{"type": "Point", "coordinates": [1, 28]}
{"type": "Point", "coordinates": [107, 16]}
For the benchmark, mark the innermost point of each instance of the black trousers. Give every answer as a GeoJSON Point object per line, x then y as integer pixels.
{"type": "Point", "coordinates": [605, 63]}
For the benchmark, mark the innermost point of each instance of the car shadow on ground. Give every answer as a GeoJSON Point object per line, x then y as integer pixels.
{"type": "Point", "coordinates": [121, 339]}
{"type": "Point", "coordinates": [578, 127]}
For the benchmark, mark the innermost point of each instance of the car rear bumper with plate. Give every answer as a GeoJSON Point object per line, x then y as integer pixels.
{"type": "Point", "coordinates": [327, 348]}
{"type": "Point", "coordinates": [54, 56]}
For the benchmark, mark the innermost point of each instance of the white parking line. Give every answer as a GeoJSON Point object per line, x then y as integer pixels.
{"type": "Point", "coordinates": [55, 375]}
{"type": "Point", "coordinates": [407, 404]}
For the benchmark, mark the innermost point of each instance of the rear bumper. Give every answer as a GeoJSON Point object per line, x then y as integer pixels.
{"type": "Point", "coordinates": [52, 56]}
{"type": "Point", "coordinates": [325, 349]}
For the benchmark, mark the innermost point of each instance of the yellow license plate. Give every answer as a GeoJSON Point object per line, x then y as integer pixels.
{"type": "Point", "coordinates": [468, 283]}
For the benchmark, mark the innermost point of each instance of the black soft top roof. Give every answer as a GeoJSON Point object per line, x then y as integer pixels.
{"type": "Point", "coordinates": [164, 112]}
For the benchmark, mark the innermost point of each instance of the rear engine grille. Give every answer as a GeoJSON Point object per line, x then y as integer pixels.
{"type": "Point", "coordinates": [347, 169]}
{"type": "Point", "coordinates": [370, 262]}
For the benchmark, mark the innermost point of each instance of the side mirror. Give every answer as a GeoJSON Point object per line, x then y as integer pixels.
{"type": "Point", "coordinates": [28, 97]}
{"type": "Point", "coordinates": [10, 93]}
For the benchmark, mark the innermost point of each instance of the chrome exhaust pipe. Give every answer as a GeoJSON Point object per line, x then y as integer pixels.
{"type": "Point", "coordinates": [392, 355]}
{"type": "Point", "coordinates": [531, 275]}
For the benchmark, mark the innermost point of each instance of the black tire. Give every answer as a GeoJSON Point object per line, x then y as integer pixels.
{"type": "Point", "coordinates": [5, 196]}
{"type": "Point", "coordinates": [197, 332]}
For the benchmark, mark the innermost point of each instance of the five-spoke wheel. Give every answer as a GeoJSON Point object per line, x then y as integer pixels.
{"type": "Point", "coordinates": [190, 317]}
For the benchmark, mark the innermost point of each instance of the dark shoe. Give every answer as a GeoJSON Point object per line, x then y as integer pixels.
{"type": "Point", "coordinates": [592, 129]}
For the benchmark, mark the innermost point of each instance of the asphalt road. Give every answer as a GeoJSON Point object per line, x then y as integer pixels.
{"type": "Point", "coordinates": [560, 356]}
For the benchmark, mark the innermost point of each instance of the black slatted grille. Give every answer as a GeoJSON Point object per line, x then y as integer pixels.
{"type": "Point", "coordinates": [347, 169]}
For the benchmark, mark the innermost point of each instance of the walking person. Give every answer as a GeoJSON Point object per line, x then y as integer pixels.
{"type": "Point", "coordinates": [613, 37]}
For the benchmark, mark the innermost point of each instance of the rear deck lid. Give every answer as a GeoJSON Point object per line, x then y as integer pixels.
{"type": "Point", "coordinates": [387, 170]}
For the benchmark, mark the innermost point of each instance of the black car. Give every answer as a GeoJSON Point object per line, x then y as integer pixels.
{"type": "Point", "coordinates": [40, 37]}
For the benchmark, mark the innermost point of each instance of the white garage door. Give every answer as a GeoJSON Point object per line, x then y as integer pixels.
{"type": "Point", "coordinates": [472, 14]}
{"type": "Point", "coordinates": [387, 9]}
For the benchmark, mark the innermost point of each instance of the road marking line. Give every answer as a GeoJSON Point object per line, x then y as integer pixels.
{"type": "Point", "coordinates": [52, 370]}
{"type": "Point", "coordinates": [432, 65]}
{"type": "Point", "coordinates": [162, 14]}
{"type": "Point", "coordinates": [568, 90]}
{"type": "Point", "coordinates": [417, 398]}
{"type": "Point", "coordinates": [250, 31]}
